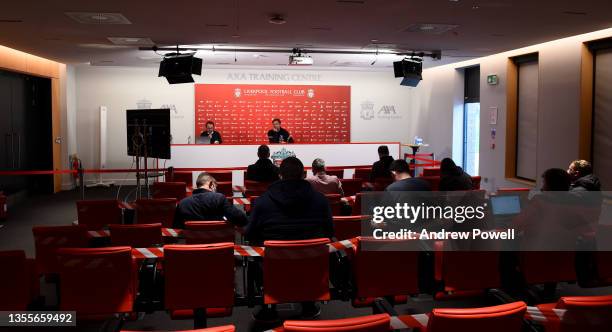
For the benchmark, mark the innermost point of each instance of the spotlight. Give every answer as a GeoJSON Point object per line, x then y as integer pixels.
{"type": "Point", "coordinates": [178, 68]}
{"type": "Point", "coordinates": [410, 69]}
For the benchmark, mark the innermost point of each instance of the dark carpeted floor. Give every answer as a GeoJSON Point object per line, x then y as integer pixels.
{"type": "Point", "coordinates": [59, 209]}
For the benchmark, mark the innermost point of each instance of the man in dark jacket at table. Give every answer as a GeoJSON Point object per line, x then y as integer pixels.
{"type": "Point", "coordinates": [263, 170]}
{"type": "Point", "coordinates": [207, 204]}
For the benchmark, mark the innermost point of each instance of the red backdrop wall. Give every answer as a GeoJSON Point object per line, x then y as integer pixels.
{"type": "Point", "coordinates": [243, 113]}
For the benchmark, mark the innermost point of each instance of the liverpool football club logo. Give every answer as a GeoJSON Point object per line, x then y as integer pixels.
{"type": "Point", "coordinates": [367, 110]}
{"type": "Point", "coordinates": [281, 155]}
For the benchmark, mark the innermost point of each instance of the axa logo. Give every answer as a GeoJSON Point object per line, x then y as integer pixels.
{"type": "Point", "coordinates": [387, 110]}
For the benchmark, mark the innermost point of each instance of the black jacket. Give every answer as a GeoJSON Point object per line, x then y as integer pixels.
{"type": "Point", "coordinates": [290, 210]}
{"type": "Point", "coordinates": [409, 184]}
{"type": "Point", "coordinates": [586, 183]}
{"type": "Point", "coordinates": [456, 181]}
{"type": "Point", "coordinates": [214, 137]}
{"type": "Point", "coordinates": [274, 136]}
{"type": "Point", "coordinates": [207, 205]}
{"type": "Point", "coordinates": [263, 171]}
{"type": "Point", "coordinates": [380, 169]}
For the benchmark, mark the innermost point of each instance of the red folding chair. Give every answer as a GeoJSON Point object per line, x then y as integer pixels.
{"type": "Point", "coordinates": [199, 281]}
{"type": "Point", "coordinates": [362, 173]}
{"type": "Point", "coordinates": [542, 267]}
{"type": "Point", "coordinates": [225, 188]}
{"type": "Point", "coordinates": [476, 182]}
{"type": "Point", "coordinates": [19, 284]}
{"type": "Point", "coordinates": [97, 282]}
{"type": "Point", "coordinates": [98, 214]}
{"type": "Point", "coordinates": [48, 239]}
{"type": "Point", "coordinates": [584, 313]}
{"type": "Point", "coordinates": [180, 176]}
{"type": "Point", "coordinates": [380, 184]}
{"type": "Point", "coordinates": [431, 171]}
{"type": "Point", "coordinates": [356, 209]}
{"type": "Point", "coordinates": [371, 323]}
{"type": "Point", "coordinates": [225, 328]}
{"type": "Point", "coordinates": [463, 273]}
{"type": "Point", "coordinates": [335, 202]}
{"type": "Point", "coordinates": [385, 268]}
{"type": "Point", "coordinates": [348, 227]}
{"type": "Point", "coordinates": [337, 172]}
{"type": "Point", "coordinates": [174, 190]}
{"type": "Point", "coordinates": [290, 263]}
{"type": "Point", "coordinates": [255, 188]}
{"type": "Point", "coordinates": [501, 318]}
{"type": "Point", "coordinates": [221, 176]}
{"type": "Point", "coordinates": [206, 232]}
{"type": "Point", "coordinates": [351, 186]}
{"type": "Point", "coordinates": [156, 210]}
{"type": "Point", "coordinates": [136, 236]}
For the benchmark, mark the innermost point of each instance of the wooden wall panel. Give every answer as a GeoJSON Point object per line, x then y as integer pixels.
{"type": "Point", "coordinates": [586, 103]}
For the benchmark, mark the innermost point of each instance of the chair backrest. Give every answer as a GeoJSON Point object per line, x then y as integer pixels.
{"type": "Point", "coordinates": [335, 202]}
{"type": "Point", "coordinates": [362, 173]}
{"type": "Point", "coordinates": [255, 188]}
{"type": "Point", "coordinates": [348, 227]}
{"type": "Point", "coordinates": [97, 214]}
{"type": "Point", "coordinates": [174, 190]}
{"type": "Point", "coordinates": [225, 188]}
{"type": "Point", "coordinates": [221, 176]}
{"type": "Point", "coordinates": [501, 318]}
{"type": "Point", "coordinates": [381, 183]}
{"type": "Point", "coordinates": [386, 268]}
{"type": "Point", "coordinates": [156, 210]}
{"type": "Point", "coordinates": [180, 176]}
{"type": "Point", "coordinates": [108, 275]}
{"type": "Point", "coordinates": [225, 328]}
{"type": "Point", "coordinates": [48, 239]}
{"type": "Point", "coordinates": [539, 267]}
{"type": "Point", "coordinates": [351, 186]}
{"type": "Point", "coordinates": [290, 263]}
{"type": "Point", "coordinates": [585, 313]}
{"type": "Point", "coordinates": [476, 182]}
{"type": "Point", "coordinates": [431, 171]}
{"type": "Point", "coordinates": [356, 209]}
{"type": "Point", "coordinates": [337, 172]}
{"type": "Point", "coordinates": [199, 276]}
{"type": "Point", "coordinates": [371, 323]}
{"type": "Point", "coordinates": [136, 236]}
{"type": "Point", "coordinates": [434, 182]}
{"type": "Point", "coordinates": [512, 190]}
{"type": "Point", "coordinates": [14, 281]}
{"type": "Point", "coordinates": [205, 232]}
{"type": "Point", "coordinates": [604, 253]}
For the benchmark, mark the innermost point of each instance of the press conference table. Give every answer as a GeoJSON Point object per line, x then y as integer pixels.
{"type": "Point", "coordinates": [238, 157]}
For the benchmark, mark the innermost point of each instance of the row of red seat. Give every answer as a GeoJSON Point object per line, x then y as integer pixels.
{"type": "Point", "coordinates": [109, 274]}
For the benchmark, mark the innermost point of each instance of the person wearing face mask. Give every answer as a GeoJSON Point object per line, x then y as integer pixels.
{"type": "Point", "coordinates": [207, 204]}
{"type": "Point", "coordinates": [278, 134]}
{"type": "Point", "coordinates": [210, 135]}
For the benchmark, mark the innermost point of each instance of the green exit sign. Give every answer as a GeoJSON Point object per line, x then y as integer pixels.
{"type": "Point", "coordinates": [492, 79]}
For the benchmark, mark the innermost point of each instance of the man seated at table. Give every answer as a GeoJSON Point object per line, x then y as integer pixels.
{"type": "Point", "coordinates": [278, 134]}
{"type": "Point", "coordinates": [380, 169]}
{"type": "Point", "coordinates": [290, 210]}
{"type": "Point", "coordinates": [210, 135]}
{"type": "Point", "coordinates": [263, 170]}
{"type": "Point", "coordinates": [403, 181]}
{"type": "Point", "coordinates": [323, 183]}
{"type": "Point", "coordinates": [206, 204]}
